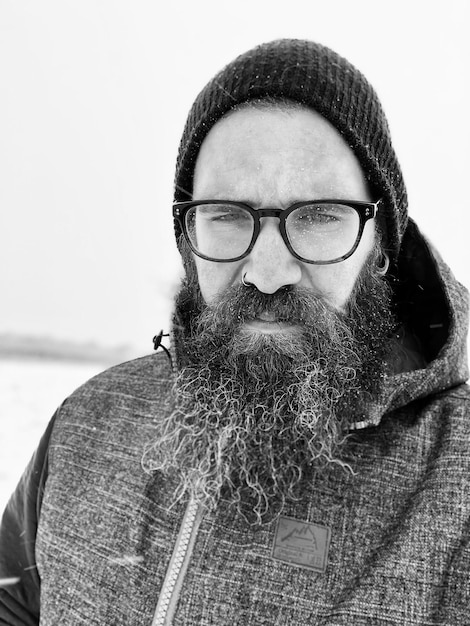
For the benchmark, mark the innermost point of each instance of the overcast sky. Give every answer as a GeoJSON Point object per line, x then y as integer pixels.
{"type": "Point", "coordinates": [93, 99]}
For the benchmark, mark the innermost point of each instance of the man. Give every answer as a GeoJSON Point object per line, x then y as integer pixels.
{"type": "Point", "coordinates": [304, 459]}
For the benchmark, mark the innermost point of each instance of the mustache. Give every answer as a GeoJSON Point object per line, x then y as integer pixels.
{"type": "Point", "coordinates": [290, 304]}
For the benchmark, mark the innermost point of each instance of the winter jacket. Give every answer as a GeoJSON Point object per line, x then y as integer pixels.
{"type": "Point", "coordinates": [89, 535]}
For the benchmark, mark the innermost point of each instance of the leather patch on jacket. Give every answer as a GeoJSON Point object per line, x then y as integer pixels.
{"type": "Point", "coordinates": [303, 544]}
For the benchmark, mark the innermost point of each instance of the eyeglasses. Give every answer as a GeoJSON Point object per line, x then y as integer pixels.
{"type": "Point", "coordinates": [315, 231]}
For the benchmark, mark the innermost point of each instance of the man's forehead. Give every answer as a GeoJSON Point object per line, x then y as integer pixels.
{"type": "Point", "coordinates": [253, 115]}
{"type": "Point", "coordinates": [294, 152]}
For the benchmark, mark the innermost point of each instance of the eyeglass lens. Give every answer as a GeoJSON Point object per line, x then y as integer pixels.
{"type": "Point", "coordinates": [317, 232]}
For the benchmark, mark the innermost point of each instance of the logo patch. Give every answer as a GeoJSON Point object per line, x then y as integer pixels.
{"type": "Point", "coordinates": [303, 544]}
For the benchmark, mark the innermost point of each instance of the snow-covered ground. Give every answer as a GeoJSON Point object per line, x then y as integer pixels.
{"type": "Point", "coordinates": [30, 391]}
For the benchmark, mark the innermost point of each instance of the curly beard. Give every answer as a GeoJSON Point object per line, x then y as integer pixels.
{"type": "Point", "coordinates": [253, 416]}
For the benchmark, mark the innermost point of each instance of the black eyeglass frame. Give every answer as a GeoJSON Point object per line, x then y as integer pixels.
{"type": "Point", "coordinates": [365, 210]}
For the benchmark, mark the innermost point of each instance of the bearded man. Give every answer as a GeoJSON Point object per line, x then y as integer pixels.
{"type": "Point", "coordinates": [302, 456]}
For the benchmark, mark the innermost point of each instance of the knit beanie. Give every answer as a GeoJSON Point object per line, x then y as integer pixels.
{"type": "Point", "coordinates": [317, 77]}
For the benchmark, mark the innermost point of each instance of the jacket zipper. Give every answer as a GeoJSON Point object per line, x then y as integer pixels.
{"type": "Point", "coordinates": [169, 594]}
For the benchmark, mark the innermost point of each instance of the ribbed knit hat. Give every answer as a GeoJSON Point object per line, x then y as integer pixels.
{"type": "Point", "coordinates": [317, 77]}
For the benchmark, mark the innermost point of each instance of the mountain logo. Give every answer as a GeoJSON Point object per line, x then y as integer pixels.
{"type": "Point", "coordinates": [302, 544]}
{"type": "Point", "coordinates": [301, 532]}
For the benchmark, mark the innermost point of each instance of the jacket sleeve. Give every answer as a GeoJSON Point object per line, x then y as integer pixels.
{"type": "Point", "coordinates": [19, 579]}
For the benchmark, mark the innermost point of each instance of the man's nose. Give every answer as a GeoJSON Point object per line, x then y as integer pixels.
{"type": "Point", "coordinates": [270, 266]}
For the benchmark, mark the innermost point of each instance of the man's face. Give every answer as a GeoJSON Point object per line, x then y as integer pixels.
{"type": "Point", "coordinates": [273, 158]}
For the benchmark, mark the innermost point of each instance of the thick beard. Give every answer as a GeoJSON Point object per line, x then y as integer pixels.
{"type": "Point", "coordinates": [252, 417]}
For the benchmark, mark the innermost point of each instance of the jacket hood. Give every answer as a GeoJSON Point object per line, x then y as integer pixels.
{"type": "Point", "coordinates": [433, 307]}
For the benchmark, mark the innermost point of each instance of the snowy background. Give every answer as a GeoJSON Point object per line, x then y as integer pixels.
{"type": "Point", "coordinates": [93, 99]}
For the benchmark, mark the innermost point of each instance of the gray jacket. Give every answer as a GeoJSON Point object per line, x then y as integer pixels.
{"type": "Point", "coordinates": [93, 534]}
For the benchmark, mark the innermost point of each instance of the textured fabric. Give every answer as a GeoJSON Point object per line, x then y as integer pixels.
{"type": "Point", "coordinates": [19, 603]}
{"type": "Point", "coordinates": [317, 77]}
{"type": "Point", "coordinates": [399, 551]}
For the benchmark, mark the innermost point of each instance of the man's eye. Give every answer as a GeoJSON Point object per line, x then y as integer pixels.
{"type": "Point", "coordinates": [316, 217]}
{"type": "Point", "coordinates": [321, 217]}
{"type": "Point", "coordinates": [226, 216]}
